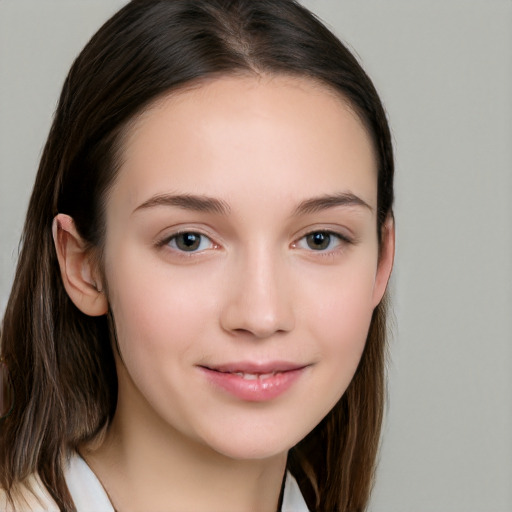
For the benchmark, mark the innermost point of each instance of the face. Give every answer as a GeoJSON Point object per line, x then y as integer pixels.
{"type": "Point", "coordinates": [242, 261]}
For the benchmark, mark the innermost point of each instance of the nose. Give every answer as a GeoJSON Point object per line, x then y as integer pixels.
{"type": "Point", "coordinates": [259, 297]}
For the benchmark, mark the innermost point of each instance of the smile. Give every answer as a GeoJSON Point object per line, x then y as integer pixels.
{"type": "Point", "coordinates": [254, 383]}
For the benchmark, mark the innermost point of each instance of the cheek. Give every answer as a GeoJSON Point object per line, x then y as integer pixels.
{"type": "Point", "coordinates": [156, 310]}
{"type": "Point", "coordinates": [161, 320]}
{"type": "Point", "coordinates": [345, 327]}
{"type": "Point", "coordinates": [339, 324]}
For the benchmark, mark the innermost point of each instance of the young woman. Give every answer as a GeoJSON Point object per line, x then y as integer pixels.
{"type": "Point", "coordinates": [197, 320]}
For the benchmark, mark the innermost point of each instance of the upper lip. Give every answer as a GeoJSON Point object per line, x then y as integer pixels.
{"type": "Point", "coordinates": [255, 367]}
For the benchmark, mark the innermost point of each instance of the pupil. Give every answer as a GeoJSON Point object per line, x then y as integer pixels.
{"type": "Point", "coordinates": [318, 240]}
{"type": "Point", "coordinates": [188, 241]}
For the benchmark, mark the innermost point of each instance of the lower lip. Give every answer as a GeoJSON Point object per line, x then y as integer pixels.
{"type": "Point", "coordinates": [256, 390]}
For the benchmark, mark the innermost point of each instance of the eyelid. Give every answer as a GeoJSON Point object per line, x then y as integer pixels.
{"type": "Point", "coordinates": [342, 232]}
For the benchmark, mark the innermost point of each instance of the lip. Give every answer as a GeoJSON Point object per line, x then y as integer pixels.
{"type": "Point", "coordinates": [254, 382]}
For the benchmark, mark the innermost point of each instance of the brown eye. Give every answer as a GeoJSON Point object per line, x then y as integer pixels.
{"type": "Point", "coordinates": [190, 242]}
{"type": "Point", "coordinates": [322, 241]}
{"type": "Point", "coordinates": [319, 241]}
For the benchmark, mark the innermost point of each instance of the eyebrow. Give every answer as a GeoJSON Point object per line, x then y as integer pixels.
{"type": "Point", "coordinates": [198, 203]}
{"type": "Point", "coordinates": [321, 203]}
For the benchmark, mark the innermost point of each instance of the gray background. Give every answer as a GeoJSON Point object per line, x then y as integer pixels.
{"type": "Point", "coordinates": [444, 71]}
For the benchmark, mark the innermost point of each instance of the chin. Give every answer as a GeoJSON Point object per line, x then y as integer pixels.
{"type": "Point", "coordinates": [255, 444]}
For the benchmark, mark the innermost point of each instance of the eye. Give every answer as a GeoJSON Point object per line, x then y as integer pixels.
{"type": "Point", "coordinates": [321, 241]}
{"type": "Point", "coordinates": [189, 241]}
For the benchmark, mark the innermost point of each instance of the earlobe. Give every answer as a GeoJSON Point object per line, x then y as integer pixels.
{"type": "Point", "coordinates": [386, 258]}
{"type": "Point", "coordinates": [79, 273]}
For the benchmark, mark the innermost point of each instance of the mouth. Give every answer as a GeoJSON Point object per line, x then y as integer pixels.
{"type": "Point", "coordinates": [254, 382]}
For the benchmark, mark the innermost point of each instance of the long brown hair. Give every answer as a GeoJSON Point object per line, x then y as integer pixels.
{"type": "Point", "coordinates": [60, 360]}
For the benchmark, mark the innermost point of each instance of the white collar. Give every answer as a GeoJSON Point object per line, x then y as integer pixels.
{"type": "Point", "coordinates": [89, 496]}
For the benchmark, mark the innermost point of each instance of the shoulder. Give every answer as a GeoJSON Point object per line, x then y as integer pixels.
{"type": "Point", "coordinates": [30, 496]}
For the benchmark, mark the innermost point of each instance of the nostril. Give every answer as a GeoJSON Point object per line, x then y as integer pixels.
{"type": "Point", "coordinates": [251, 325]}
{"type": "Point", "coordinates": [259, 302]}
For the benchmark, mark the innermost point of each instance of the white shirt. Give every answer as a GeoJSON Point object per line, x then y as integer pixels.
{"type": "Point", "coordinates": [89, 496]}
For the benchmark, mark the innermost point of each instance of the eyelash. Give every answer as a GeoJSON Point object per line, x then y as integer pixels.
{"type": "Point", "coordinates": [167, 241]}
{"type": "Point", "coordinates": [340, 239]}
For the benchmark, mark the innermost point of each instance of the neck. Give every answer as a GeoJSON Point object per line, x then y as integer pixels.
{"type": "Point", "coordinates": [145, 464]}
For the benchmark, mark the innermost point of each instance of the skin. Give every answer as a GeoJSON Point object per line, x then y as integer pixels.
{"type": "Point", "coordinates": [256, 289]}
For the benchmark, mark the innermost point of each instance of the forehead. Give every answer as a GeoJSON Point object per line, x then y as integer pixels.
{"type": "Point", "coordinates": [270, 135]}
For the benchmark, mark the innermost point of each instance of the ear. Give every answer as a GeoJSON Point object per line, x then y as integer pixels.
{"type": "Point", "coordinates": [386, 258]}
{"type": "Point", "coordinates": [80, 276]}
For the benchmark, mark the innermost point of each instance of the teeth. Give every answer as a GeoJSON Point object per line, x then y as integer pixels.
{"type": "Point", "coordinates": [255, 376]}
